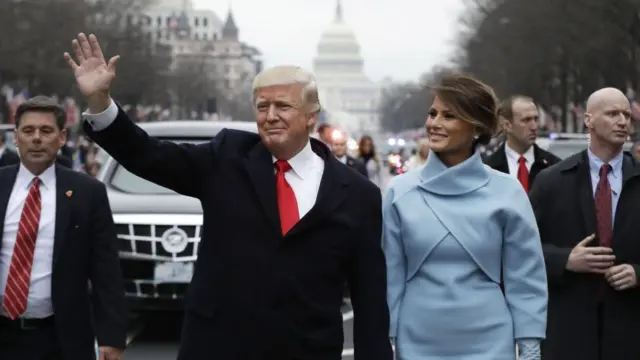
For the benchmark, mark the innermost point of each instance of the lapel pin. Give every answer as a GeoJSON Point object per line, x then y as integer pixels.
{"type": "Point", "coordinates": [69, 193]}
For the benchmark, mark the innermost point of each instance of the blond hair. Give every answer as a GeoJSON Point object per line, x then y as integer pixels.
{"type": "Point", "coordinates": [289, 75]}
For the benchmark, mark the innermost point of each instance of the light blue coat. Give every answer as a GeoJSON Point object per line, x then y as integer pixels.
{"type": "Point", "coordinates": [449, 235]}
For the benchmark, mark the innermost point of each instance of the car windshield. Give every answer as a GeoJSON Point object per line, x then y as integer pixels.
{"type": "Point", "coordinates": [563, 149]}
{"type": "Point", "coordinates": [123, 180]}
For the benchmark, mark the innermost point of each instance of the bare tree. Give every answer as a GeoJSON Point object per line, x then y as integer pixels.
{"type": "Point", "coordinates": [35, 33]}
{"type": "Point", "coordinates": [406, 106]}
{"type": "Point", "coordinates": [555, 51]}
{"type": "Point", "coordinates": [191, 85]}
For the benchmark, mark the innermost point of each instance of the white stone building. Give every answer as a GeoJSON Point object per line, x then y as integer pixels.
{"type": "Point", "coordinates": [343, 85]}
{"type": "Point", "coordinates": [173, 21]}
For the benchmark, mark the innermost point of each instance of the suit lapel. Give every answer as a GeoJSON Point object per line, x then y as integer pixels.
{"type": "Point", "coordinates": [259, 166]}
{"type": "Point", "coordinates": [500, 160]}
{"type": "Point", "coordinates": [585, 193]}
{"type": "Point", "coordinates": [540, 162]}
{"type": "Point", "coordinates": [331, 194]}
{"type": "Point", "coordinates": [6, 186]}
{"type": "Point", "coordinates": [629, 170]}
{"type": "Point", "coordinates": [63, 209]}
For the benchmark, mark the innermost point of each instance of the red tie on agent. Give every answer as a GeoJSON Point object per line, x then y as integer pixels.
{"type": "Point", "coordinates": [604, 212]}
{"type": "Point", "coordinates": [523, 173]}
{"type": "Point", "coordinates": [17, 289]}
{"type": "Point", "coordinates": [287, 203]}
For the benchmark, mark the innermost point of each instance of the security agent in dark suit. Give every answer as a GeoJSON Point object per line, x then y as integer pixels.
{"type": "Point", "coordinates": [339, 149]}
{"type": "Point", "coordinates": [271, 290]}
{"type": "Point", "coordinates": [58, 238]}
{"type": "Point", "coordinates": [519, 156]}
{"type": "Point", "coordinates": [586, 207]}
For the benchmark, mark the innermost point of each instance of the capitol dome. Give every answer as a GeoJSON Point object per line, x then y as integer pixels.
{"type": "Point", "coordinates": [338, 48]}
{"type": "Point", "coordinates": [347, 95]}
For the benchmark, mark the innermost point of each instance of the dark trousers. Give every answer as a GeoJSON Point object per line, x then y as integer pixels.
{"type": "Point", "coordinates": [600, 331]}
{"type": "Point", "coordinates": [35, 340]}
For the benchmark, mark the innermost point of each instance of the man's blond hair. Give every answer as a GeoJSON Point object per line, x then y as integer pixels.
{"type": "Point", "coordinates": [289, 75]}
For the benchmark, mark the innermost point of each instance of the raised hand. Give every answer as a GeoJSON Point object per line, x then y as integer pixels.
{"type": "Point", "coordinates": [93, 74]}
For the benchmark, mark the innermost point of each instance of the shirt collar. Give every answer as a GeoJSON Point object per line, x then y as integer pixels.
{"type": "Point", "coordinates": [301, 160]}
{"type": "Point", "coordinates": [512, 154]}
{"type": "Point", "coordinates": [595, 163]}
{"type": "Point", "coordinates": [342, 159]}
{"type": "Point", "coordinates": [25, 177]}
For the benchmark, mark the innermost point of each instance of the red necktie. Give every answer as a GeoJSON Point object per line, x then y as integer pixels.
{"type": "Point", "coordinates": [17, 289]}
{"type": "Point", "coordinates": [523, 173]}
{"type": "Point", "coordinates": [287, 204]}
{"type": "Point", "coordinates": [604, 206]}
{"type": "Point", "coordinates": [604, 215]}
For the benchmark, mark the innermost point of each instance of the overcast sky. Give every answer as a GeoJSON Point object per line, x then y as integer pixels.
{"type": "Point", "coordinates": [399, 38]}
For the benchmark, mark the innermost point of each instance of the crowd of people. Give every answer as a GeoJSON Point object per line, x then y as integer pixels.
{"type": "Point", "coordinates": [520, 255]}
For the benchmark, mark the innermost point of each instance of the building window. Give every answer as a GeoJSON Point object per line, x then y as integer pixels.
{"type": "Point", "coordinates": [205, 22]}
{"type": "Point", "coordinates": [159, 21]}
{"type": "Point", "coordinates": [196, 22]}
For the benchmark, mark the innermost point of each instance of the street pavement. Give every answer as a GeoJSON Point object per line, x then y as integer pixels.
{"type": "Point", "coordinates": [158, 338]}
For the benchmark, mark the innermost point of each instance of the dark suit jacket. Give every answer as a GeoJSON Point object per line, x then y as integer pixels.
{"type": "Point", "coordinates": [11, 158]}
{"type": "Point", "coordinates": [357, 165]}
{"type": "Point", "coordinates": [542, 160]}
{"type": "Point", "coordinates": [84, 252]}
{"type": "Point", "coordinates": [563, 202]}
{"type": "Point", "coordinates": [256, 294]}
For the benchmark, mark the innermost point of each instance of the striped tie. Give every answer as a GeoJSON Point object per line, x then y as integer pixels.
{"type": "Point", "coordinates": [17, 289]}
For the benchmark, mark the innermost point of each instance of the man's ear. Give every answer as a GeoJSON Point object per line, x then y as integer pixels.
{"type": "Point", "coordinates": [588, 120]}
{"type": "Point", "coordinates": [505, 124]}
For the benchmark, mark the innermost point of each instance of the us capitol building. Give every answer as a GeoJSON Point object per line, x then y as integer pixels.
{"type": "Point", "coordinates": [347, 95]}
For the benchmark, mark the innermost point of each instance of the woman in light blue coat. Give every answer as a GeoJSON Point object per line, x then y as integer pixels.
{"type": "Point", "coordinates": [455, 232]}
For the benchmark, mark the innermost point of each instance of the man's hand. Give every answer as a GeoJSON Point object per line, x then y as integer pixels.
{"type": "Point", "coordinates": [109, 353]}
{"type": "Point", "coordinates": [93, 74]}
{"type": "Point", "coordinates": [590, 259]}
{"type": "Point", "coordinates": [621, 277]}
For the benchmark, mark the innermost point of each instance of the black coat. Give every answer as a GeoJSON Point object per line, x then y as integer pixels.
{"type": "Point", "coordinates": [563, 201]}
{"type": "Point", "coordinates": [256, 294]}
{"type": "Point", "coordinates": [9, 157]}
{"type": "Point", "coordinates": [357, 165]}
{"type": "Point", "coordinates": [542, 160]}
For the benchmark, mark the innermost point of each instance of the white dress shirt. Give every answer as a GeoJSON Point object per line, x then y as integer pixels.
{"type": "Point", "coordinates": [342, 159]}
{"type": "Point", "coordinates": [39, 299]}
{"type": "Point", "coordinates": [304, 177]}
{"type": "Point", "coordinates": [513, 157]}
{"type": "Point", "coordinates": [1, 151]}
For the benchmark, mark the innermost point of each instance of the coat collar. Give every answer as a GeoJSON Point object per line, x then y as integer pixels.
{"type": "Point", "coordinates": [463, 178]}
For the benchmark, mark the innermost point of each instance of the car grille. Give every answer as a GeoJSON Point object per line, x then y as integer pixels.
{"type": "Point", "coordinates": [144, 242]}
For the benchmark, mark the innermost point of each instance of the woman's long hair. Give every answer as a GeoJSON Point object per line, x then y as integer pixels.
{"type": "Point", "coordinates": [374, 154]}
